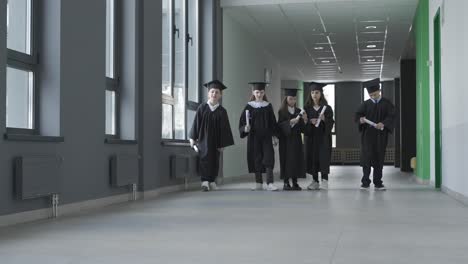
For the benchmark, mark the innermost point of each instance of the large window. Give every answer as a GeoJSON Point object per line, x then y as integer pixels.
{"type": "Point", "coordinates": [21, 68]}
{"type": "Point", "coordinates": [329, 92]}
{"type": "Point", "coordinates": [180, 58]}
{"type": "Point", "coordinates": [112, 72]}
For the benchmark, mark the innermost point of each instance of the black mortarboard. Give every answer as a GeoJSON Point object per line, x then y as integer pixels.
{"type": "Point", "coordinates": [290, 91]}
{"type": "Point", "coordinates": [317, 86]}
{"type": "Point", "coordinates": [215, 84]}
{"type": "Point", "coordinates": [258, 85]}
{"type": "Point", "coordinates": [372, 85]}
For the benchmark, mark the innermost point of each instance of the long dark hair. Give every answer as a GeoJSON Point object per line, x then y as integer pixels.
{"type": "Point", "coordinates": [284, 106]}
{"type": "Point", "coordinates": [252, 98]}
{"type": "Point", "coordinates": [310, 101]}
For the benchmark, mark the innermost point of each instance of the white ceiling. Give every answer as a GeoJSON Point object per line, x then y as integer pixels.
{"type": "Point", "coordinates": [328, 40]}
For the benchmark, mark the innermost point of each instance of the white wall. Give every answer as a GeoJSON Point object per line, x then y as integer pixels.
{"type": "Point", "coordinates": [244, 60]}
{"type": "Point", "coordinates": [454, 39]}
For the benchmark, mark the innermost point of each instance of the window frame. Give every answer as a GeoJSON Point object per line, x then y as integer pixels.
{"type": "Point", "coordinates": [29, 63]}
{"type": "Point", "coordinates": [188, 39]}
{"type": "Point", "coordinates": [113, 84]}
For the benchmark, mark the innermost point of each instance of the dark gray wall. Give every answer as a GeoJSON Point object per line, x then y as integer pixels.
{"type": "Point", "coordinates": [77, 62]}
{"type": "Point", "coordinates": [397, 123]}
{"type": "Point", "coordinates": [348, 97]}
{"type": "Point", "coordinates": [408, 110]}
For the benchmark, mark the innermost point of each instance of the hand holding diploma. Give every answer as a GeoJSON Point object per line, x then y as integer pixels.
{"type": "Point", "coordinates": [378, 126]}
{"type": "Point", "coordinates": [193, 145]}
{"type": "Point", "coordinates": [247, 121]}
{"type": "Point", "coordinates": [321, 116]}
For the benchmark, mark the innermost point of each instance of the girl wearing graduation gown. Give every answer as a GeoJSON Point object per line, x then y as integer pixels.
{"type": "Point", "coordinates": [291, 126]}
{"type": "Point", "coordinates": [210, 134]}
{"type": "Point", "coordinates": [260, 130]}
{"type": "Point", "coordinates": [374, 139]}
{"type": "Point", "coordinates": [318, 140]}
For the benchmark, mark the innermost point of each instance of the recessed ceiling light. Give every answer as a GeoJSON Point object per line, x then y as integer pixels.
{"type": "Point", "coordinates": [371, 27]}
{"type": "Point", "coordinates": [318, 48]}
{"type": "Point", "coordinates": [326, 61]}
{"type": "Point", "coordinates": [371, 60]}
{"type": "Point", "coordinates": [371, 46]}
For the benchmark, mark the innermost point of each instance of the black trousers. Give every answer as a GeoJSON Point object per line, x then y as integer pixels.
{"type": "Point", "coordinates": [377, 175]}
{"type": "Point", "coordinates": [316, 177]}
{"type": "Point", "coordinates": [269, 173]}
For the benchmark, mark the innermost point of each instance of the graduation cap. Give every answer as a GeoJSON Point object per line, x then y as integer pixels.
{"type": "Point", "coordinates": [290, 91]}
{"type": "Point", "coordinates": [317, 86]}
{"type": "Point", "coordinates": [372, 85]}
{"type": "Point", "coordinates": [215, 84]}
{"type": "Point", "coordinates": [258, 85]}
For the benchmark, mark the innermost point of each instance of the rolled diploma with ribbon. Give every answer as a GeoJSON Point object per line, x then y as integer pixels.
{"type": "Point", "coordinates": [247, 121]}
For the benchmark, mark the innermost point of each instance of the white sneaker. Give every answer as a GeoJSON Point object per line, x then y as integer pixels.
{"type": "Point", "coordinates": [205, 186]}
{"type": "Point", "coordinates": [213, 186]}
{"type": "Point", "coordinates": [314, 186]}
{"type": "Point", "coordinates": [272, 187]}
{"type": "Point", "coordinates": [258, 187]}
{"type": "Point", "coordinates": [325, 184]}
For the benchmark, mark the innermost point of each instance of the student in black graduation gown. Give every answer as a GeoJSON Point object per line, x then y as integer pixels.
{"type": "Point", "coordinates": [374, 138]}
{"type": "Point", "coordinates": [318, 138]}
{"type": "Point", "coordinates": [260, 128]}
{"type": "Point", "coordinates": [291, 126]}
{"type": "Point", "coordinates": [210, 134]}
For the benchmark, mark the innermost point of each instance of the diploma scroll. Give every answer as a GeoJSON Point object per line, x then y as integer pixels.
{"type": "Point", "coordinates": [321, 114]}
{"type": "Point", "coordinates": [367, 121]}
{"type": "Point", "coordinates": [195, 148]}
{"type": "Point", "coordinates": [247, 121]}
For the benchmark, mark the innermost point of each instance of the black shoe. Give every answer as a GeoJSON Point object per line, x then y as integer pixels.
{"type": "Point", "coordinates": [380, 187]}
{"type": "Point", "coordinates": [364, 186]}
{"type": "Point", "coordinates": [296, 187]}
{"type": "Point", "coordinates": [287, 187]}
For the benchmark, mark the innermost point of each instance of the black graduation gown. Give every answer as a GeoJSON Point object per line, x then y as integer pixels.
{"type": "Point", "coordinates": [318, 141]}
{"type": "Point", "coordinates": [374, 141]}
{"type": "Point", "coordinates": [212, 131]}
{"type": "Point", "coordinates": [263, 126]}
{"type": "Point", "coordinates": [290, 145]}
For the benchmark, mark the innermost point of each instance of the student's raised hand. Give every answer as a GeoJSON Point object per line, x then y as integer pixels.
{"type": "Point", "coordinates": [313, 121]}
{"type": "Point", "coordinates": [247, 129]}
{"type": "Point", "coordinates": [304, 116]}
{"type": "Point", "coordinates": [361, 120]}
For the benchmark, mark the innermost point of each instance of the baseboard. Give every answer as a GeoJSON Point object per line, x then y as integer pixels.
{"type": "Point", "coordinates": [455, 195]}
{"type": "Point", "coordinates": [89, 205]}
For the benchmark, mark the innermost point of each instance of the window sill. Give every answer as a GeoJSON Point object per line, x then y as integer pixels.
{"type": "Point", "coordinates": [33, 138]}
{"type": "Point", "coordinates": [120, 141]}
{"type": "Point", "coordinates": [175, 143]}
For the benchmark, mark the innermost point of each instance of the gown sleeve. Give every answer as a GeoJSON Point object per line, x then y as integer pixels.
{"type": "Point", "coordinates": [225, 134]}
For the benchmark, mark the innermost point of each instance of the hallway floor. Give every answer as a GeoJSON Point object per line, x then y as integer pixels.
{"type": "Point", "coordinates": [408, 223]}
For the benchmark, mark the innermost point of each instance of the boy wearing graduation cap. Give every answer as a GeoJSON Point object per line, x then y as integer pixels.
{"type": "Point", "coordinates": [258, 124]}
{"type": "Point", "coordinates": [375, 118]}
{"type": "Point", "coordinates": [318, 140]}
{"type": "Point", "coordinates": [210, 134]}
{"type": "Point", "coordinates": [291, 126]}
